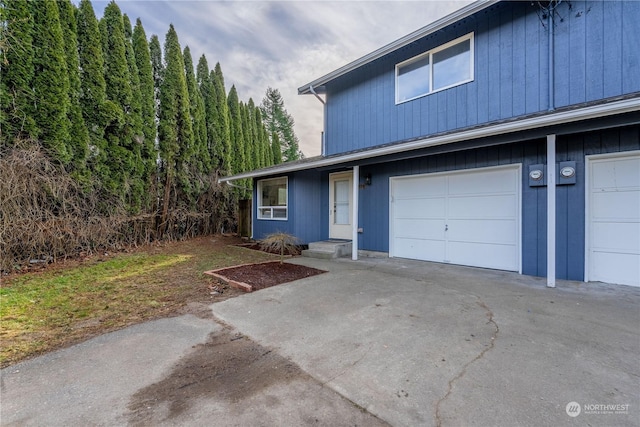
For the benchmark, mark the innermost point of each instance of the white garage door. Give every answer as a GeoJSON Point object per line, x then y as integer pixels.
{"type": "Point", "coordinates": [613, 251]}
{"type": "Point", "coordinates": [470, 217]}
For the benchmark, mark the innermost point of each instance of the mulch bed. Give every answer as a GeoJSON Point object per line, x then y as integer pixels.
{"type": "Point", "coordinates": [252, 277]}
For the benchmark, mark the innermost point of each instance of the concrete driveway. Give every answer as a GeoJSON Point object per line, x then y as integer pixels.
{"type": "Point", "coordinates": [368, 343]}
{"type": "Point", "coordinates": [418, 343]}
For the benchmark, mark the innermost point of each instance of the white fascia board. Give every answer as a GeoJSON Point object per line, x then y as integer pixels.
{"type": "Point", "coordinates": [400, 43]}
{"type": "Point", "coordinates": [552, 119]}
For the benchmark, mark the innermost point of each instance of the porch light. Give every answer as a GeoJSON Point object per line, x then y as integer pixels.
{"type": "Point", "coordinates": [367, 179]}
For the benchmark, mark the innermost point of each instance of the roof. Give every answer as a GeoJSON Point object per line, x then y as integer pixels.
{"type": "Point", "coordinates": [537, 121]}
{"type": "Point", "coordinates": [454, 17]}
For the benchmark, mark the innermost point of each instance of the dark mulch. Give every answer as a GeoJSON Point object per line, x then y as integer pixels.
{"type": "Point", "coordinates": [265, 275]}
{"type": "Point", "coordinates": [256, 247]}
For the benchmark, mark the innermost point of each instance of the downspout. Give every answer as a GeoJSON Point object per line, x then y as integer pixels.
{"type": "Point", "coordinates": [324, 116]}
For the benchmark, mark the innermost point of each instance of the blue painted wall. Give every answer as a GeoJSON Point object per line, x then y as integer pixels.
{"type": "Point", "coordinates": [305, 201]}
{"type": "Point", "coordinates": [597, 56]}
{"type": "Point", "coordinates": [374, 199]}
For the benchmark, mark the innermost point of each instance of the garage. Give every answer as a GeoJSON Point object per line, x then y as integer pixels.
{"type": "Point", "coordinates": [469, 217]}
{"type": "Point", "coordinates": [613, 219]}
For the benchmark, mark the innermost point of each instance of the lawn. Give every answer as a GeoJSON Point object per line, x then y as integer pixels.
{"type": "Point", "coordinates": [67, 303]}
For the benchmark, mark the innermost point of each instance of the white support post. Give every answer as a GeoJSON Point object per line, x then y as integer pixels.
{"type": "Point", "coordinates": [551, 211]}
{"type": "Point", "coordinates": [354, 221]}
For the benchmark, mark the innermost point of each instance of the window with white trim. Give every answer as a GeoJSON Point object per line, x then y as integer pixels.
{"type": "Point", "coordinates": [441, 68]}
{"type": "Point", "coordinates": [273, 198]}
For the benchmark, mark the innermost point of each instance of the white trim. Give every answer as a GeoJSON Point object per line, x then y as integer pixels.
{"type": "Point", "coordinates": [513, 166]}
{"type": "Point", "coordinates": [354, 222]}
{"type": "Point", "coordinates": [259, 200]}
{"type": "Point", "coordinates": [588, 161]}
{"type": "Point", "coordinates": [438, 25]}
{"type": "Point", "coordinates": [551, 119]}
{"type": "Point", "coordinates": [430, 53]}
{"type": "Point", "coordinates": [551, 211]}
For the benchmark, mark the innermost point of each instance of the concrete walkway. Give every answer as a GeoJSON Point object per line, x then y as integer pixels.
{"type": "Point", "coordinates": [403, 342]}
{"type": "Point", "coordinates": [419, 343]}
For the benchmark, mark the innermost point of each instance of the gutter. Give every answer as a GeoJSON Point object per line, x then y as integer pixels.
{"type": "Point", "coordinates": [441, 23]}
{"type": "Point", "coordinates": [553, 119]}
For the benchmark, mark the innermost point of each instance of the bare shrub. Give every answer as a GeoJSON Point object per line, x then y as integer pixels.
{"type": "Point", "coordinates": [46, 214]}
{"type": "Point", "coordinates": [280, 242]}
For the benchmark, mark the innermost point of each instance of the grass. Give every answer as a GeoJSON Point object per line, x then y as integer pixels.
{"type": "Point", "coordinates": [47, 310]}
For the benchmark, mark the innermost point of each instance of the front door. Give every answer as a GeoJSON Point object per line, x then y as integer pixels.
{"type": "Point", "coordinates": [340, 199]}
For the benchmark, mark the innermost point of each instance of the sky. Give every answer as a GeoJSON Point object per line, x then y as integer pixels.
{"type": "Point", "coordinates": [283, 44]}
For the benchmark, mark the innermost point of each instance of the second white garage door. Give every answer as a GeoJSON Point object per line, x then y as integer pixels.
{"type": "Point", "coordinates": [470, 217]}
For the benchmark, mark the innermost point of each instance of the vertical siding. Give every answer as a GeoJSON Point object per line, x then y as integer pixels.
{"type": "Point", "coordinates": [570, 199]}
{"type": "Point", "coordinates": [596, 56]}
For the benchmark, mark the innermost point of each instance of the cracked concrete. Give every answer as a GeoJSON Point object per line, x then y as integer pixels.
{"type": "Point", "coordinates": [418, 343]}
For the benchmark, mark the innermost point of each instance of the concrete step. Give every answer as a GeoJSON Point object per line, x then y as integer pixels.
{"type": "Point", "coordinates": [328, 249]}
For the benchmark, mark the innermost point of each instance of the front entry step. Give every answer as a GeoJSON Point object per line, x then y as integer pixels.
{"type": "Point", "coordinates": [328, 249]}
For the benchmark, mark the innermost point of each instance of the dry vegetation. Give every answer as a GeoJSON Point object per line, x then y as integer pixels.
{"type": "Point", "coordinates": [46, 215]}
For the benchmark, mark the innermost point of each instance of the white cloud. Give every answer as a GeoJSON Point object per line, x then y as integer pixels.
{"type": "Point", "coordinates": [283, 44]}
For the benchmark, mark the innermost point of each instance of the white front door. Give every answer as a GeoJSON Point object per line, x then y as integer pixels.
{"type": "Point", "coordinates": [340, 200]}
{"type": "Point", "coordinates": [613, 221]}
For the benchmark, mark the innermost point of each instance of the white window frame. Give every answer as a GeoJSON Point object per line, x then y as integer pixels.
{"type": "Point", "coordinates": [263, 209]}
{"type": "Point", "coordinates": [430, 54]}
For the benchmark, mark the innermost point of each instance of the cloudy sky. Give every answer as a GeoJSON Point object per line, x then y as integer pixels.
{"type": "Point", "coordinates": [283, 44]}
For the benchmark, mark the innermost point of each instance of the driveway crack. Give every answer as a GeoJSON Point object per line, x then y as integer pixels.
{"type": "Point", "coordinates": [463, 371]}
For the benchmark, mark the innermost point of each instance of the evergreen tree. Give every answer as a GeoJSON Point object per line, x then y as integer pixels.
{"type": "Point", "coordinates": [155, 52]}
{"type": "Point", "coordinates": [254, 138]}
{"type": "Point", "coordinates": [222, 126]}
{"type": "Point", "coordinates": [276, 149]}
{"type": "Point", "coordinates": [78, 133]}
{"type": "Point", "coordinates": [279, 121]}
{"type": "Point", "coordinates": [174, 128]}
{"type": "Point", "coordinates": [147, 102]}
{"type": "Point", "coordinates": [207, 93]}
{"type": "Point", "coordinates": [16, 72]}
{"type": "Point", "coordinates": [51, 82]}
{"type": "Point", "coordinates": [138, 183]}
{"type": "Point", "coordinates": [120, 132]}
{"type": "Point", "coordinates": [238, 160]}
{"type": "Point", "coordinates": [198, 116]}
{"type": "Point", "coordinates": [96, 111]}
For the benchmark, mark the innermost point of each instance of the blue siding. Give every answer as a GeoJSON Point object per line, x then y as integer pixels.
{"type": "Point", "coordinates": [596, 56]}
{"type": "Point", "coordinates": [305, 201]}
{"type": "Point", "coordinates": [570, 217]}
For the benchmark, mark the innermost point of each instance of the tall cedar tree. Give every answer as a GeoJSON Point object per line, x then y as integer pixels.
{"type": "Point", "coordinates": [222, 118]}
{"type": "Point", "coordinates": [174, 129]}
{"type": "Point", "coordinates": [276, 149]}
{"type": "Point", "coordinates": [157, 67]}
{"type": "Point", "coordinates": [205, 86]}
{"type": "Point", "coordinates": [16, 73]}
{"type": "Point", "coordinates": [237, 137]}
{"type": "Point", "coordinates": [51, 82]}
{"type": "Point", "coordinates": [147, 103]}
{"type": "Point", "coordinates": [123, 131]}
{"type": "Point", "coordinates": [78, 133]}
{"type": "Point", "coordinates": [201, 161]}
{"type": "Point", "coordinates": [254, 136]}
{"type": "Point", "coordinates": [93, 98]}
{"type": "Point", "coordinates": [279, 121]}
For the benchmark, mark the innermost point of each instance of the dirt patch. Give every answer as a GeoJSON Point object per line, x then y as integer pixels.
{"type": "Point", "coordinates": [227, 367]}
{"type": "Point", "coordinates": [264, 275]}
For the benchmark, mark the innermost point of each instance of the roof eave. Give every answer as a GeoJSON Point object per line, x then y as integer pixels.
{"type": "Point", "coordinates": [441, 23]}
{"type": "Point", "coordinates": [553, 119]}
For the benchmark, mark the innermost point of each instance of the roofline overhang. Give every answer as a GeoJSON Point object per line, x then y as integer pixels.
{"type": "Point", "coordinates": [628, 105]}
{"type": "Point", "coordinates": [441, 23]}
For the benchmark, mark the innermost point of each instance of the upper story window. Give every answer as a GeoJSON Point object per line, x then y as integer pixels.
{"type": "Point", "coordinates": [273, 198]}
{"type": "Point", "coordinates": [443, 67]}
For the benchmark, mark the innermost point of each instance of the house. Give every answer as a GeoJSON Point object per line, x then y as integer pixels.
{"type": "Point", "coordinates": [505, 136]}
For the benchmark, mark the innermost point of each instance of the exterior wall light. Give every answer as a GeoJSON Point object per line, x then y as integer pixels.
{"type": "Point", "coordinates": [367, 179]}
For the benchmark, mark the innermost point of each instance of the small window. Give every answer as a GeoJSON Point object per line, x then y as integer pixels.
{"type": "Point", "coordinates": [443, 67]}
{"type": "Point", "coordinates": [273, 198]}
